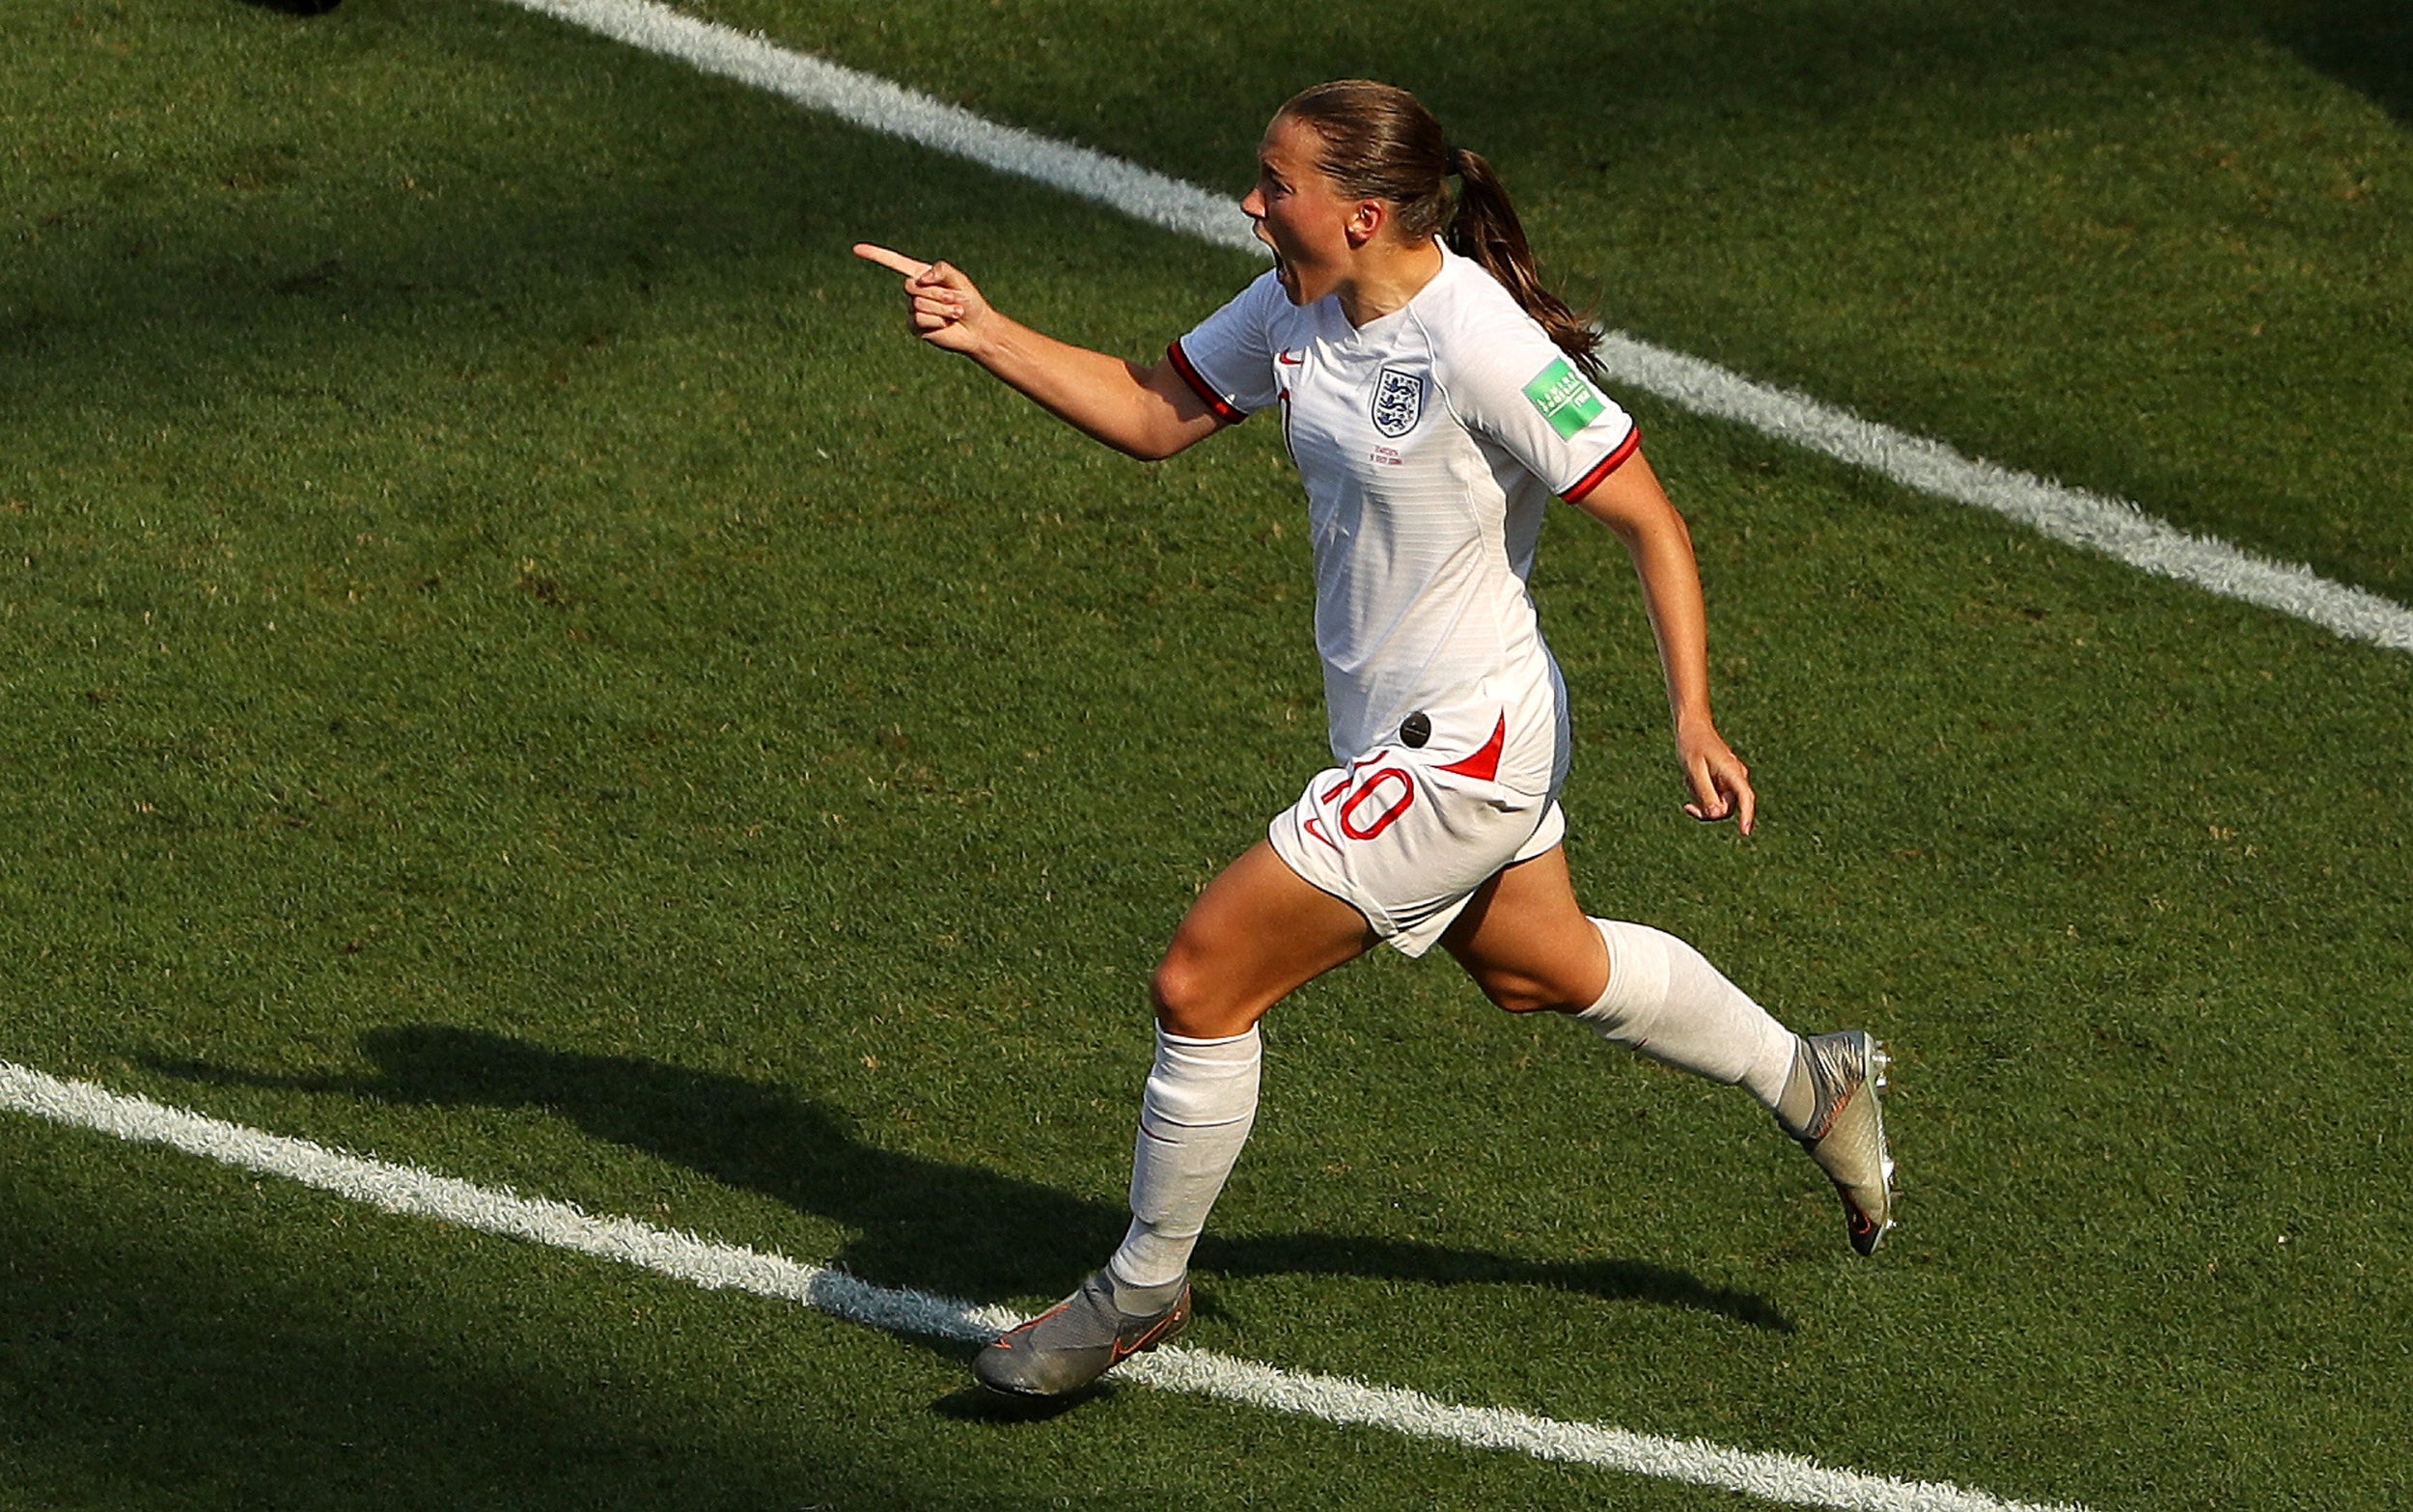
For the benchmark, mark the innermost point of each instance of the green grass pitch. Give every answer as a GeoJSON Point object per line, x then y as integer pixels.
{"type": "Point", "coordinates": [515, 663]}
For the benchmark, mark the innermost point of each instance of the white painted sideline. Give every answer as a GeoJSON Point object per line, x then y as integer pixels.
{"type": "Point", "coordinates": [2073, 517]}
{"type": "Point", "coordinates": [873, 103]}
{"type": "Point", "coordinates": [2076, 517]}
{"type": "Point", "coordinates": [706, 1263]}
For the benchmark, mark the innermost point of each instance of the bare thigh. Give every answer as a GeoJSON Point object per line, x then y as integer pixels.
{"type": "Point", "coordinates": [1526, 941]}
{"type": "Point", "coordinates": [1258, 931]}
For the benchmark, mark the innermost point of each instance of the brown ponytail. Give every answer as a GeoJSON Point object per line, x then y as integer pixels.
{"type": "Point", "coordinates": [1487, 230]}
{"type": "Point", "coordinates": [1380, 143]}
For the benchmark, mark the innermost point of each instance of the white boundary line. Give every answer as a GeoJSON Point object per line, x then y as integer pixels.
{"type": "Point", "coordinates": [867, 101]}
{"type": "Point", "coordinates": [409, 1190]}
{"type": "Point", "coordinates": [2073, 517]}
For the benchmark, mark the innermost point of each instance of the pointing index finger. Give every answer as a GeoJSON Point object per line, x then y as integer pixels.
{"type": "Point", "coordinates": [894, 261]}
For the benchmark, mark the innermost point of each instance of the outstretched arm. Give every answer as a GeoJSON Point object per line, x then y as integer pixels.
{"type": "Point", "coordinates": [1150, 413]}
{"type": "Point", "coordinates": [1630, 501]}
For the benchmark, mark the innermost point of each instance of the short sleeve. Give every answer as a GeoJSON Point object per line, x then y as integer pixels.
{"type": "Point", "coordinates": [1521, 391]}
{"type": "Point", "coordinates": [1227, 357]}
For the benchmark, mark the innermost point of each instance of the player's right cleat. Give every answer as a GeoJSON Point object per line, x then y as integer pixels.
{"type": "Point", "coordinates": [1845, 1134]}
{"type": "Point", "coordinates": [1074, 1343]}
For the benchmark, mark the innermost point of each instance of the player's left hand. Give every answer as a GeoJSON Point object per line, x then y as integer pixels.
{"type": "Point", "coordinates": [1721, 785]}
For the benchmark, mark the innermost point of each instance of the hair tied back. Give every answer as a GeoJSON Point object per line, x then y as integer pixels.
{"type": "Point", "coordinates": [1379, 143]}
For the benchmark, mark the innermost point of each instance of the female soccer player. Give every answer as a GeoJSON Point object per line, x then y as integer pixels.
{"type": "Point", "coordinates": [1434, 398]}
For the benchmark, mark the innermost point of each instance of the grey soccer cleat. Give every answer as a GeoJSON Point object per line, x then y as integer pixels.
{"type": "Point", "coordinates": [1845, 1134]}
{"type": "Point", "coordinates": [1074, 1343]}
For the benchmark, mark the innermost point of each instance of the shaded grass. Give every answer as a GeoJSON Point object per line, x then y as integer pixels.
{"type": "Point", "coordinates": [2366, 44]}
{"type": "Point", "coordinates": [259, 1346]}
{"type": "Point", "coordinates": [518, 666]}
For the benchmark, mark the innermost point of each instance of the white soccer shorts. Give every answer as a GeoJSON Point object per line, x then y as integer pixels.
{"type": "Point", "coordinates": [1406, 836]}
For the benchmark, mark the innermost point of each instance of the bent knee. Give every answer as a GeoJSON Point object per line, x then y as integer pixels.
{"type": "Point", "coordinates": [1176, 988]}
{"type": "Point", "coordinates": [1187, 995]}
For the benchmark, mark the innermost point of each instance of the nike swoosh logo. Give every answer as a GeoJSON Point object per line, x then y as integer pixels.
{"type": "Point", "coordinates": [1286, 357]}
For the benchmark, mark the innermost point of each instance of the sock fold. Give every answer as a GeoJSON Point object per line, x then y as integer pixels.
{"type": "Point", "coordinates": [1667, 1002]}
{"type": "Point", "coordinates": [1195, 1115]}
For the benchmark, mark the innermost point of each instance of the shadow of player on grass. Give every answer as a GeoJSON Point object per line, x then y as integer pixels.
{"type": "Point", "coordinates": [2364, 45]}
{"type": "Point", "coordinates": [957, 1230]}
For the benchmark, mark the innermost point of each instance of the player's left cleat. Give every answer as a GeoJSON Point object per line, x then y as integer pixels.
{"type": "Point", "coordinates": [1074, 1343]}
{"type": "Point", "coordinates": [1845, 1134]}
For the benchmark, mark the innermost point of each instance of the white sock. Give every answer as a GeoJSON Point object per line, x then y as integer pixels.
{"type": "Point", "coordinates": [1194, 1116]}
{"type": "Point", "coordinates": [1667, 1002]}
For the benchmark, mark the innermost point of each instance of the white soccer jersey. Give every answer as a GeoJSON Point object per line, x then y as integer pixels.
{"type": "Point", "coordinates": [1430, 442]}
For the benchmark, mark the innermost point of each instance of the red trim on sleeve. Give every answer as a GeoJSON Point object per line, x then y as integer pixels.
{"type": "Point", "coordinates": [1607, 465]}
{"type": "Point", "coordinates": [1483, 765]}
{"type": "Point", "coordinates": [1223, 408]}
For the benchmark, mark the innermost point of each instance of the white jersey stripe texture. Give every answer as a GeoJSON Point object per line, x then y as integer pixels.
{"type": "Point", "coordinates": [408, 1191]}
{"type": "Point", "coordinates": [2090, 521]}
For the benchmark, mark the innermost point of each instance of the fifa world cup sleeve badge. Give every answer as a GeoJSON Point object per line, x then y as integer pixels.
{"type": "Point", "coordinates": [1564, 399]}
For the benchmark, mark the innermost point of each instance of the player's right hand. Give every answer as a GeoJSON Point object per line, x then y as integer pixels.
{"type": "Point", "coordinates": [948, 311]}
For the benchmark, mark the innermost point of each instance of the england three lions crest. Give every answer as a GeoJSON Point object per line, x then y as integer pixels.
{"type": "Point", "coordinates": [1399, 401]}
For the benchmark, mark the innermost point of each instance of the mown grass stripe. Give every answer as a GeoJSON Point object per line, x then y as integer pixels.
{"type": "Point", "coordinates": [707, 1263]}
{"type": "Point", "coordinates": [2091, 521]}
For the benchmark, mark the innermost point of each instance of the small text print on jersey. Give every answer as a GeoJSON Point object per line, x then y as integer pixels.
{"type": "Point", "coordinates": [1566, 400]}
{"type": "Point", "coordinates": [1399, 402]}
